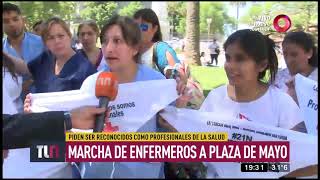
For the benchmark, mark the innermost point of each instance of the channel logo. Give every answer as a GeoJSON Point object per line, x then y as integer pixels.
{"type": "Point", "coordinates": [47, 152]}
{"type": "Point", "coordinates": [283, 28]}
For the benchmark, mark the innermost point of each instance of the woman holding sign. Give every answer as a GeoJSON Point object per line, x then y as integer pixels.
{"type": "Point", "coordinates": [249, 96]}
{"type": "Point", "coordinates": [301, 56]}
{"type": "Point", "coordinates": [59, 68]}
{"type": "Point", "coordinates": [249, 55]}
{"type": "Point", "coordinates": [120, 40]}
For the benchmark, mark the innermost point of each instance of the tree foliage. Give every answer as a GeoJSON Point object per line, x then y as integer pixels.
{"type": "Point", "coordinates": [218, 13]}
{"type": "Point", "coordinates": [302, 14]}
{"type": "Point", "coordinates": [177, 16]}
{"type": "Point", "coordinates": [99, 11]}
{"type": "Point", "coordinates": [214, 10]}
{"type": "Point", "coordinates": [131, 8]}
{"type": "Point", "coordinates": [34, 11]}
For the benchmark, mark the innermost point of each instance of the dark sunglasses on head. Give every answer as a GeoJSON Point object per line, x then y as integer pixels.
{"type": "Point", "coordinates": [144, 27]}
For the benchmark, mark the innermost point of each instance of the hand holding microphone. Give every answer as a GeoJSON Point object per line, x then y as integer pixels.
{"type": "Point", "coordinates": [106, 90]}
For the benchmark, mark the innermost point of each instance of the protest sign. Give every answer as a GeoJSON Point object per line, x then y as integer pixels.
{"type": "Point", "coordinates": [185, 120]}
{"type": "Point", "coordinates": [307, 94]}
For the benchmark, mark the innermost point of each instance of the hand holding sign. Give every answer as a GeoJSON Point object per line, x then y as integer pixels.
{"type": "Point", "coordinates": [307, 95]}
{"type": "Point", "coordinates": [291, 90]}
{"type": "Point", "coordinates": [27, 104]}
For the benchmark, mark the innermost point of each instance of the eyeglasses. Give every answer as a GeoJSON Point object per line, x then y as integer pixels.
{"type": "Point", "coordinates": [144, 27]}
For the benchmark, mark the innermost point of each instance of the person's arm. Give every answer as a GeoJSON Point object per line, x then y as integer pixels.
{"type": "Point", "coordinates": [20, 130]}
{"type": "Point", "coordinates": [20, 66]}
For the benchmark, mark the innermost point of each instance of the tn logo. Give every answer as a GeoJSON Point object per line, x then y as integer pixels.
{"type": "Point", "coordinates": [48, 151]}
{"type": "Point", "coordinates": [104, 81]}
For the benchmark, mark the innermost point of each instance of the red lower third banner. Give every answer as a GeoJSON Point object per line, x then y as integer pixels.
{"type": "Point", "coordinates": [155, 151]}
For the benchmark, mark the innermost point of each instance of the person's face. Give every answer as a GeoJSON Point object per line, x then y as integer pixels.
{"type": "Point", "coordinates": [58, 40]}
{"type": "Point", "coordinates": [13, 24]}
{"type": "Point", "coordinates": [295, 57]}
{"type": "Point", "coordinates": [147, 30]}
{"type": "Point", "coordinates": [241, 69]}
{"type": "Point", "coordinates": [117, 52]}
{"type": "Point", "coordinates": [87, 36]}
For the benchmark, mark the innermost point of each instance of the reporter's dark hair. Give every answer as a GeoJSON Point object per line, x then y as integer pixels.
{"type": "Point", "coordinates": [306, 42]}
{"type": "Point", "coordinates": [37, 23]}
{"type": "Point", "coordinates": [8, 63]}
{"type": "Point", "coordinates": [258, 46]}
{"type": "Point", "coordinates": [6, 7]}
{"type": "Point", "coordinates": [150, 16]}
{"type": "Point", "coordinates": [130, 31]}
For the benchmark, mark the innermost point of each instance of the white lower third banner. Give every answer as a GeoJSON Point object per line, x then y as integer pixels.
{"type": "Point", "coordinates": [303, 147]}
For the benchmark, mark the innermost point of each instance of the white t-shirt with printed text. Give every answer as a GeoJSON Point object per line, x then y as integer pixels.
{"type": "Point", "coordinates": [274, 108]}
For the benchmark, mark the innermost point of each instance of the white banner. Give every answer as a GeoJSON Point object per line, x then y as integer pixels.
{"type": "Point", "coordinates": [303, 147]}
{"type": "Point", "coordinates": [307, 94]}
{"type": "Point", "coordinates": [135, 105]}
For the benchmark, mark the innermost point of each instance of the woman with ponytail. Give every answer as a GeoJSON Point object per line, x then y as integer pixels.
{"type": "Point", "coordinates": [249, 95]}
{"type": "Point", "coordinates": [251, 67]}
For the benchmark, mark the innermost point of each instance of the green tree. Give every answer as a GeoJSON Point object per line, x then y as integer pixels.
{"type": "Point", "coordinates": [34, 11]}
{"type": "Point", "coordinates": [177, 16]}
{"type": "Point", "coordinates": [302, 14]}
{"type": "Point", "coordinates": [214, 10]}
{"type": "Point", "coordinates": [131, 8]}
{"type": "Point", "coordinates": [217, 12]}
{"type": "Point", "coordinates": [99, 11]}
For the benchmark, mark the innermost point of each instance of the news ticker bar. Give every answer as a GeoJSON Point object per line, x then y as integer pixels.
{"type": "Point", "coordinates": [147, 136]}
{"type": "Point", "coordinates": [265, 167]}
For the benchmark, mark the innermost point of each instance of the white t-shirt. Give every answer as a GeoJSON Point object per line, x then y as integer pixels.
{"type": "Point", "coordinates": [284, 76]}
{"type": "Point", "coordinates": [212, 47]}
{"type": "Point", "coordinates": [146, 57]}
{"type": "Point", "coordinates": [13, 88]}
{"type": "Point", "coordinates": [274, 108]}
